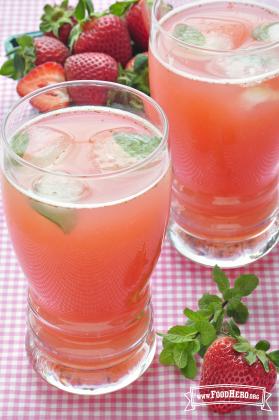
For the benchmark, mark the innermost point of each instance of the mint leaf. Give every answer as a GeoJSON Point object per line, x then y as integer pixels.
{"type": "Point", "coordinates": [217, 321]}
{"type": "Point", "coordinates": [8, 69]}
{"type": "Point", "coordinates": [194, 346]}
{"type": "Point", "coordinates": [230, 293]}
{"type": "Point", "coordinates": [220, 279]}
{"type": "Point", "coordinates": [175, 338]}
{"type": "Point", "coordinates": [166, 357]}
{"type": "Point", "coordinates": [121, 7]}
{"type": "Point", "coordinates": [207, 332]}
{"type": "Point", "coordinates": [274, 357]}
{"type": "Point", "coordinates": [238, 311]}
{"type": "Point", "coordinates": [190, 370]}
{"type": "Point", "coordinates": [19, 143]}
{"type": "Point", "coordinates": [189, 34]}
{"type": "Point", "coordinates": [63, 217]}
{"type": "Point", "coordinates": [207, 299]}
{"type": "Point", "coordinates": [182, 330]}
{"type": "Point", "coordinates": [139, 145]}
{"type": "Point", "coordinates": [246, 284]}
{"type": "Point", "coordinates": [267, 33]}
{"type": "Point", "coordinates": [180, 356]}
{"type": "Point", "coordinates": [262, 345]}
{"type": "Point", "coordinates": [193, 316]}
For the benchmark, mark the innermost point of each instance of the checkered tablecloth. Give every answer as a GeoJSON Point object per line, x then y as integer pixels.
{"type": "Point", "coordinates": [159, 393]}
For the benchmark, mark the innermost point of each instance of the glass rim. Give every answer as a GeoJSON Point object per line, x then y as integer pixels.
{"type": "Point", "coordinates": [209, 51]}
{"type": "Point", "coordinates": [101, 83]}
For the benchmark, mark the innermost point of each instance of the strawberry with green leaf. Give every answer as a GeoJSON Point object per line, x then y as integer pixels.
{"type": "Point", "coordinates": [32, 52]}
{"type": "Point", "coordinates": [58, 20]}
{"type": "Point", "coordinates": [135, 73]}
{"type": "Point", "coordinates": [212, 332]}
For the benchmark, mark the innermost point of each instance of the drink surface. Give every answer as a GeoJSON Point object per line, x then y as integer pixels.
{"type": "Point", "coordinates": [222, 108]}
{"type": "Point", "coordinates": [88, 245]}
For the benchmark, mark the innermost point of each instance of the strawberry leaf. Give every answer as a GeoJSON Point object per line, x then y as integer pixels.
{"type": "Point", "coordinates": [262, 345]}
{"type": "Point", "coordinates": [263, 359]}
{"type": "Point", "coordinates": [242, 347]}
{"type": "Point", "coordinates": [120, 7]}
{"type": "Point", "coordinates": [220, 279]}
{"type": "Point", "coordinates": [251, 358]}
{"type": "Point", "coordinates": [246, 284]}
{"type": "Point", "coordinates": [274, 357]}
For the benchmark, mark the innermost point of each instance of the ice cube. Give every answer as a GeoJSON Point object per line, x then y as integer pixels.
{"type": "Point", "coordinates": [60, 188]}
{"type": "Point", "coordinates": [106, 154]}
{"type": "Point", "coordinates": [46, 146]}
{"type": "Point", "coordinates": [254, 96]}
{"type": "Point", "coordinates": [219, 42]}
{"type": "Point", "coordinates": [239, 66]}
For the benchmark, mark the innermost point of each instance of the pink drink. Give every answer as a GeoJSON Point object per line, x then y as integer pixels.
{"type": "Point", "coordinates": [220, 92]}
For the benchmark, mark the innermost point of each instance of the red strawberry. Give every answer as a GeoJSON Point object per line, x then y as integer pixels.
{"type": "Point", "coordinates": [57, 21]}
{"type": "Point", "coordinates": [223, 364]}
{"type": "Point", "coordinates": [44, 75]}
{"type": "Point", "coordinates": [138, 22]}
{"type": "Point", "coordinates": [90, 66]}
{"type": "Point", "coordinates": [49, 49]}
{"type": "Point", "coordinates": [107, 34]}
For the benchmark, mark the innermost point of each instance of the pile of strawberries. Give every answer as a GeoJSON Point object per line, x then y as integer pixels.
{"type": "Point", "coordinates": [81, 44]}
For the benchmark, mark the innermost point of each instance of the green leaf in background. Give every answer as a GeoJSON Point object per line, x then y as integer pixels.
{"type": "Point", "coordinates": [207, 332]}
{"type": "Point", "coordinates": [192, 315]}
{"type": "Point", "coordinates": [120, 7]}
{"type": "Point", "coordinates": [207, 299]}
{"type": "Point", "coordinates": [138, 145]}
{"type": "Point", "coordinates": [180, 356]}
{"type": "Point", "coordinates": [261, 355]}
{"type": "Point", "coordinates": [182, 330]}
{"type": "Point", "coordinates": [190, 370]}
{"type": "Point", "coordinates": [220, 279]}
{"type": "Point", "coordinates": [189, 34]}
{"type": "Point", "coordinates": [8, 69]}
{"type": "Point", "coordinates": [238, 311]}
{"type": "Point", "coordinates": [174, 338]}
{"type": "Point", "coordinates": [262, 345]}
{"type": "Point", "coordinates": [246, 284]}
{"type": "Point", "coordinates": [231, 293]}
{"type": "Point", "coordinates": [194, 346]}
{"type": "Point", "coordinates": [19, 143]}
{"type": "Point", "coordinates": [64, 218]}
{"type": "Point", "coordinates": [274, 357]}
{"type": "Point", "coordinates": [166, 357]}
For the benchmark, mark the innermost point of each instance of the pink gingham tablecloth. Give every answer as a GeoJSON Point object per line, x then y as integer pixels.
{"type": "Point", "coordinates": [159, 393]}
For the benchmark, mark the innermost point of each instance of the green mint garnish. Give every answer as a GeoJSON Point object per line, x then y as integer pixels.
{"type": "Point", "coordinates": [137, 145]}
{"type": "Point", "coordinates": [189, 34]}
{"type": "Point", "coordinates": [216, 314]}
{"type": "Point", "coordinates": [267, 33]}
{"type": "Point", "coordinates": [64, 218]}
{"type": "Point", "coordinates": [19, 143]}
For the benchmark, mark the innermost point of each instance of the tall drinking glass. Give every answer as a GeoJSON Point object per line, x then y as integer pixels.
{"type": "Point", "coordinates": [214, 69]}
{"type": "Point", "coordinates": [86, 193]}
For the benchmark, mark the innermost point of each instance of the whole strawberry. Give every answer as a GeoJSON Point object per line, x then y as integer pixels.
{"type": "Point", "coordinates": [90, 66]}
{"type": "Point", "coordinates": [49, 49]}
{"type": "Point", "coordinates": [234, 361]}
{"type": "Point", "coordinates": [32, 52]}
{"type": "Point", "coordinates": [138, 22]}
{"type": "Point", "coordinates": [107, 34]}
{"type": "Point", "coordinates": [57, 21]}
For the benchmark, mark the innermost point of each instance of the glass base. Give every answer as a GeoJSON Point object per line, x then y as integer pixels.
{"type": "Point", "coordinates": [226, 254]}
{"type": "Point", "coordinates": [91, 381]}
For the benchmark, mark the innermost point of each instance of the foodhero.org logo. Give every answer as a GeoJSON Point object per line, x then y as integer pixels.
{"type": "Point", "coordinates": [227, 394]}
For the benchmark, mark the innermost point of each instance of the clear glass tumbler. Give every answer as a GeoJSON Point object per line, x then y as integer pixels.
{"type": "Point", "coordinates": [214, 69]}
{"type": "Point", "coordinates": [86, 192]}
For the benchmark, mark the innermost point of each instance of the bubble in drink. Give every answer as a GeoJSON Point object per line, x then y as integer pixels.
{"type": "Point", "coordinates": [254, 96]}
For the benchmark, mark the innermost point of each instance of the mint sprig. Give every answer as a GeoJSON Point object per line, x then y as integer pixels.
{"type": "Point", "coordinates": [137, 145]}
{"type": "Point", "coordinates": [189, 34]}
{"type": "Point", "coordinates": [216, 314]}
